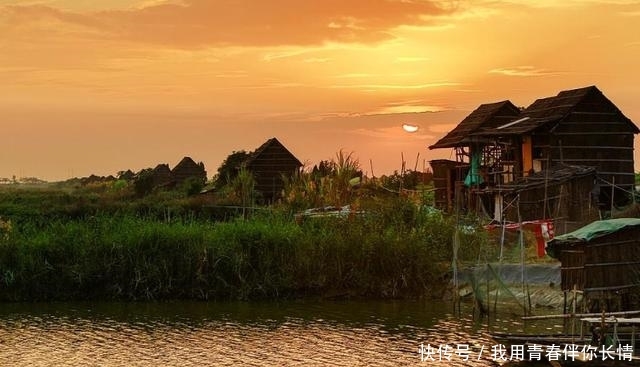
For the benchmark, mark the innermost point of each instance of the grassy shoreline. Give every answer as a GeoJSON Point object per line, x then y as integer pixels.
{"type": "Point", "coordinates": [394, 251]}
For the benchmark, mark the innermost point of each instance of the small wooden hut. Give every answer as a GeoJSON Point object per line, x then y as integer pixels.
{"type": "Point", "coordinates": [602, 259]}
{"type": "Point", "coordinates": [188, 168]}
{"type": "Point", "coordinates": [268, 164]}
{"type": "Point", "coordinates": [161, 175]}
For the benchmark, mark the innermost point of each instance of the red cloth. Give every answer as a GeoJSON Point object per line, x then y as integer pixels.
{"type": "Point", "coordinates": [542, 229]}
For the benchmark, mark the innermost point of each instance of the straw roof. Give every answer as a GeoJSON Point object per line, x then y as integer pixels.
{"type": "Point", "coordinates": [489, 115]}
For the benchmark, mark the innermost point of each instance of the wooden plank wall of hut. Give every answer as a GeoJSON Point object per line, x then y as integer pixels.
{"type": "Point", "coordinates": [614, 260]}
{"type": "Point", "coordinates": [612, 269]}
{"type": "Point", "coordinates": [568, 204]}
{"type": "Point", "coordinates": [598, 138]}
{"type": "Point", "coordinates": [582, 209]}
{"type": "Point", "coordinates": [445, 174]}
{"type": "Point", "coordinates": [268, 169]}
{"type": "Point", "coordinates": [532, 204]}
{"type": "Point", "coordinates": [441, 185]}
{"type": "Point", "coordinates": [572, 272]}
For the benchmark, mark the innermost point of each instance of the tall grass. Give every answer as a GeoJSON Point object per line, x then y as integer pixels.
{"type": "Point", "coordinates": [393, 250]}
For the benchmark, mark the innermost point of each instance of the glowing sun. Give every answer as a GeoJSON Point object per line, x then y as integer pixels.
{"type": "Point", "coordinates": [410, 128]}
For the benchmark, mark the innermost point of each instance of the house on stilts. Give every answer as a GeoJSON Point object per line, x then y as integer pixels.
{"type": "Point", "coordinates": [601, 260]}
{"type": "Point", "coordinates": [564, 158]}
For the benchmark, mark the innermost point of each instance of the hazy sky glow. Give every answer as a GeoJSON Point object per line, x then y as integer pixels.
{"type": "Point", "coordinates": [97, 86]}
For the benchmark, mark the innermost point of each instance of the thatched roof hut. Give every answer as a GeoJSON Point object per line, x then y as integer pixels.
{"type": "Point", "coordinates": [188, 168]}
{"type": "Point", "coordinates": [580, 127]}
{"type": "Point", "coordinates": [486, 116]}
{"type": "Point", "coordinates": [161, 175]}
{"type": "Point", "coordinates": [268, 164]}
{"type": "Point", "coordinates": [501, 143]}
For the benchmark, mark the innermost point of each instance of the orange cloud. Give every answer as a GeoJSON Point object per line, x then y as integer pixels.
{"type": "Point", "coordinates": [200, 23]}
{"type": "Point", "coordinates": [523, 71]}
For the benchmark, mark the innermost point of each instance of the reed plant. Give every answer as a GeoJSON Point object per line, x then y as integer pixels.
{"type": "Point", "coordinates": [390, 249]}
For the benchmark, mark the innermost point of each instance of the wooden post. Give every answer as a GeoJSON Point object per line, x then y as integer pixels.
{"type": "Point", "coordinates": [573, 319]}
{"type": "Point", "coordinates": [613, 189]}
{"type": "Point", "coordinates": [487, 294]}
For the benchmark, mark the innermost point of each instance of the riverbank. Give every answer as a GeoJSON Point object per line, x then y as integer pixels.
{"type": "Point", "coordinates": [395, 250]}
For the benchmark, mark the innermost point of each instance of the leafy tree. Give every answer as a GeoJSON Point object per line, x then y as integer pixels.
{"type": "Point", "coordinates": [143, 184]}
{"type": "Point", "coordinates": [410, 180]}
{"type": "Point", "coordinates": [127, 175]}
{"type": "Point", "coordinates": [323, 169]}
{"type": "Point", "coordinates": [192, 186]}
{"type": "Point", "coordinates": [230, 167]}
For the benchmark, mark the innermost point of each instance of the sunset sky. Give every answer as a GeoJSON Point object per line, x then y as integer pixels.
{"type": "Point", "coordinates": [99, 86]}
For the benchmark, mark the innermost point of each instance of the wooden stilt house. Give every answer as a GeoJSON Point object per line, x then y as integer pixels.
{"type": "Point", "coordinates": [449, 176]}
{"type": "Point", "coordinates": [577, 127]}
{"type": "Point", "coordinates": [502, 144]}
{"type": "Point", "coordinates": [602, 259]}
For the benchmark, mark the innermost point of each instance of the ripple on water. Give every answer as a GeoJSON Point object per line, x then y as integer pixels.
{"type": "Point", "coordinates": [213, 340]}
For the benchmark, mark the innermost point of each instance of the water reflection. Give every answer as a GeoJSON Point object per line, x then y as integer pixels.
{"type": "Point", "coordinates": [232, 334]}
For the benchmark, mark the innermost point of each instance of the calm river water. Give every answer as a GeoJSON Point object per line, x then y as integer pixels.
{"type": "Point", "coordinates": [301, 333]}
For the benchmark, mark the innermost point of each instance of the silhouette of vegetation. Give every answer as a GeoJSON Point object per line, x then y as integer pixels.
{"type": "Point", "coordinates": [119, 239]}
{"type": "Point", "coordinates": [143, 182]}
{"type": "Point", "coordinates": [229, 168]}
{"type": "Point", "coordinates": [192, 186]}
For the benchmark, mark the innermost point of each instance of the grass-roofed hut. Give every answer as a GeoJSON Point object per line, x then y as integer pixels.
{"type": "Point", "coordinates": [188, 168]}
{"type": "Point", "coordinates": [161, 175]}
{"type": "Point", "coordinates": [268, 164]}
{"type": "Point", "coordinates": [602, 259]}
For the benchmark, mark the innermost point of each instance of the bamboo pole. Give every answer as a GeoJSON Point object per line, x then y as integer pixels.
{"type": "Point", "coordinates": [454, 266]}
{"type": "Point", "coordinates": [613, 189]}
{"type": "Point", "coordinates": [573, 319]}
{"type": "Point", "coordinates": [487, 293]}
{"type": "Point", "coordinates": [522, 258]}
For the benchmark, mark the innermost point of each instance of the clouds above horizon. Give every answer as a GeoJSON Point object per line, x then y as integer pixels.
{"type": "Point", "coordinates": [203, 23]}
{"type": "Point", "coordinates": [323, 75]}
{"type": "Point", "coordinates": [523, 71]}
